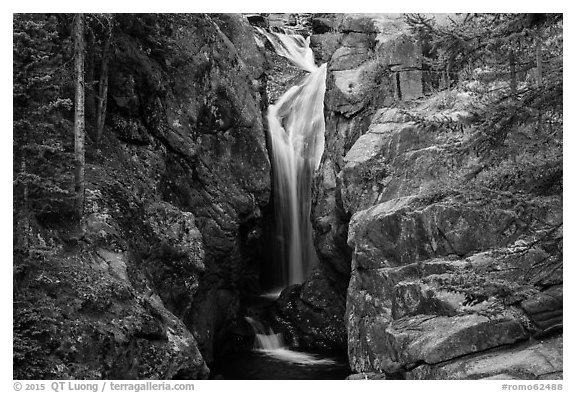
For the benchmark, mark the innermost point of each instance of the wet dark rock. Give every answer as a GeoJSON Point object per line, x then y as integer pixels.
{"type": "Point", "coordinates": [312, 313]}
{"type": "Point", "coordinates": [257, 20]}
{"type": "Point", "coordinates": [321, 25]}
{"type": "Point", "coordinates": [214, 313]}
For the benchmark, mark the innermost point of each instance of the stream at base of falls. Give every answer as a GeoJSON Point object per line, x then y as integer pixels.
{"type": "Point", "coordinates": [256, 365]}
{"type": "Point", "coordinates": [271, 358]}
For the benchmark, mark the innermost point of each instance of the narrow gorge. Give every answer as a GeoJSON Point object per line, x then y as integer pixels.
{"type": "Point", "coordinates": [289, 196]}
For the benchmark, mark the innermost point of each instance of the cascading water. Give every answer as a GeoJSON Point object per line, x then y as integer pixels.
{"type": "Point", "coordinates": [296, 127]}
{"type": "Point", "coordinates": [272, 344]}
{"type": "Point", "coordinates": [265, 341]}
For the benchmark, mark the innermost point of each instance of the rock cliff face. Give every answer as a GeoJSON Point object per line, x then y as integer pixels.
{"type": "Point", "coordinates": [438, 278]}
{"type": "Point", "coordinates": [314, 312]}
{"type": "Point", "coordinates": [442, 284]}
{"type": "Point", "coordinates": [202, 106]}
{"type": "Point", "coordinates": [173, 211]}
{"type": "Point", "coordinates": [360, 79]}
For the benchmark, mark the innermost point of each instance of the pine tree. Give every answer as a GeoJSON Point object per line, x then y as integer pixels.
{"type": "Point", "coordinates": [54, 70]}
{"type": "Point", "coordinates": [522, 50]}
{"type": "Point", "coordinates": [40, 104]}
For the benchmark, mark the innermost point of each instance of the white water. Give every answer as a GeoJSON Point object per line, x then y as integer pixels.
{"type": "Point", "coordinates": [272, 345]}
{"type": "Point", "coordinates": [273, 295]}
{"type": "Point", "coordinates": [296, 127]}
{"type": "Point", "coordinates": [294, 47]}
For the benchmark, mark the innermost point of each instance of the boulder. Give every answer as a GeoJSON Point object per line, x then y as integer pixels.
{"type": "Point", "coordinates": [433, 339]}
{"type": "Point", "coordinates": [394, 234]}
{"type": "Point", "coordinates": [82, 316]}
{"type": "Point", "coordinates": [346, 58]}
{"type": "Point", "coordinates": [324, 45]}
{"type": "Point", "coordinates": [175, 259]}
{"type": "Point", "coordinates": [487, 284]}
{"type": "Point", "coordinates": [322, 25]}
{"type": "Point", "coordinates": [525, 361]}
{"type": "Point", "coordinates": [546, 310]}
{"type": "Point", "coordinates": [312, 314]}
{"type": "Point", "coordinates": [395, 158]}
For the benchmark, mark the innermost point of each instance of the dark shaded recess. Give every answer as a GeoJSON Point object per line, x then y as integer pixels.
{"type": "Point", "coordinates": [271, 258]}
{"type": "Point", "coordinates": [252, 248]}
{"type": "Point", "coordinates": [259, 20]}
{"type": "Point", "coordinates": [271, 252]}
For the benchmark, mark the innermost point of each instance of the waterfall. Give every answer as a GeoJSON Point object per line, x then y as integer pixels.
{"type": "Point", "coordinates": [265, 341]}
{"type": "Point", "coordinates": [272, 344]}
{"type": "Point", "coordinates": [296, 127]}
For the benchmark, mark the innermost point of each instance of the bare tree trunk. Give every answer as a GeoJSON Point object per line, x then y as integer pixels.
{"type": "Point", "coordinates": [79, 131]}
{"type": "Point", "coordinates": [538, 61]}
{"type": "Point", "coordinates": [448, 74]}
{"type": "Point", "coordinates": [513, 79]}
{"type": "Point", "coordinates": [89, 77]}
{"type": "Point", "coordinates": [25, 209]}
{"type": "Point", "coordinates": [443, 80]}
{"type": "Point", "coordinates": [103, 89]}
{"type": "Point", "coordinates": [539, 77]}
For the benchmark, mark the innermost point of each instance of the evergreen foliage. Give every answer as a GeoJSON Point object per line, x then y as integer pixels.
{"type": "Point", "coordinates": [512, 65]}
{"type": "Point", "coordinates": [41, 113]}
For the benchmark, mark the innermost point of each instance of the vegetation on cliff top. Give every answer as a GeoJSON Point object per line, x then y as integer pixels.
{"type": "Point", "coordinates": [511, 67]}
